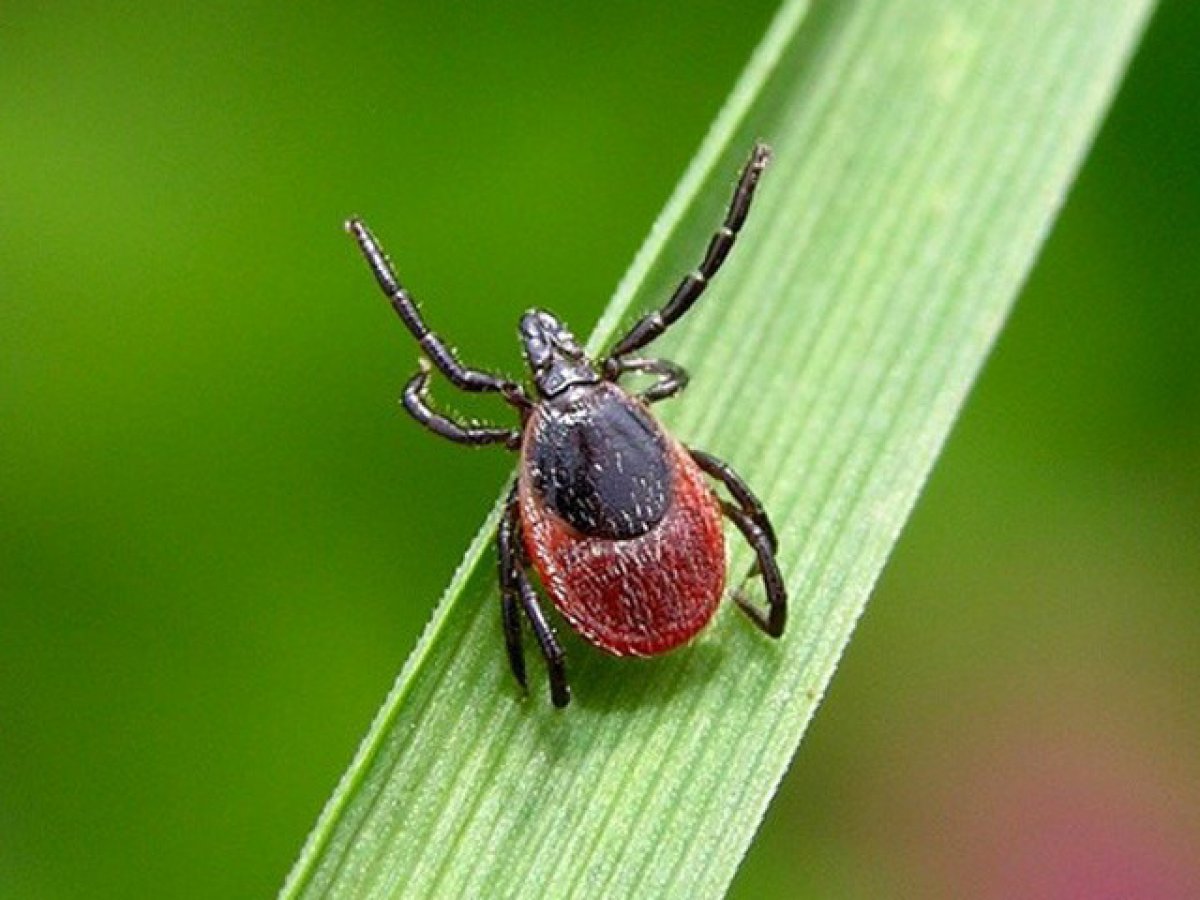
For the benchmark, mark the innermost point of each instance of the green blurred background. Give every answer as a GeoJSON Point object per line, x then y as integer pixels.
{"type": "Point", "coordinates": [219, 537]}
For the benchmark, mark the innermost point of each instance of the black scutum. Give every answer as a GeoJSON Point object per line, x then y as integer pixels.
{"type": "Point", "coordinates": [600, 463]}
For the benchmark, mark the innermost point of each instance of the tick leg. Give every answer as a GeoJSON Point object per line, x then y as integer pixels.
{"type": "Point", "coordinates": [750, 504]}
{"type": "Point", "coordinates": [467, 379]}
{"type": "Point", "coordinates": [776, 619]}
{"type": "Point", "coordinates": [560, 691]}
{"type": "Point", "coordinates": [416, 402]}
{"type": "Point", "coordinates": [672, 378]}
{"type": "Point", "coordinates": [508, 550]}
{"type": "Point", "coordinates": [516, 590]}
{"type": "Point", "coordinates": [650, 326]}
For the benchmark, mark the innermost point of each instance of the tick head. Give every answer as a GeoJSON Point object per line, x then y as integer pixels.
{"type": "Point", "coordinates": [556, 360]}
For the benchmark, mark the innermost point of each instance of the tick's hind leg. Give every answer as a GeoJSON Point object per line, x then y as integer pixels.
{"type": "Point", "coordinates": [517, 595]}
{"type": "Point", "coordinates": [749, 515]}
{"type": "Point", "coordinates": [775, 620]}
{"type": "Point", "coordinates": [734, 483]}
{"type": "Point", "coordinates": [510, 614]}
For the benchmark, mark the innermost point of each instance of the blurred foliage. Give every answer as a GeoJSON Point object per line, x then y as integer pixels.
{"type": "Point", "coordinates": [202, 459]}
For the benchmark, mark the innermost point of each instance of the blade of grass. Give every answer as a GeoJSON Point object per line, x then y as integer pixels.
{"type": "Point", "coordinates": [922, 150]}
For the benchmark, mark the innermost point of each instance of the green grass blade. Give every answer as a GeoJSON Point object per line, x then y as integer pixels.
{"type": "Point", "coordinates": [922, 150]}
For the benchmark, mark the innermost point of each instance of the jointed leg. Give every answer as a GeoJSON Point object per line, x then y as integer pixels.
{"type": "Point", "coordinates": [776, 619]}
{"type": "Point", "coordinates": [672, 378]}
{"type": "Point", "coordinates": [510, 564]}
{"type": "Point", "coordinates": [433, 346]}
{"type": "Point", "coordinates": [653, 324]}
{"type": "Point", "coordinates": [750, 504]}
{"type": "Point", "coordinates": [751, 519]}
{"type": "Point", "coordinates": [416, 403]}
{"type": "Point", "coordinates": [560, 691]}
{"type": "Point", "coordinates": [515, 589]}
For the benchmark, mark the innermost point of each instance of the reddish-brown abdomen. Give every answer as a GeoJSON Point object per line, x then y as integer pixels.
{"type": "Point", "coordinates": [638, 596]}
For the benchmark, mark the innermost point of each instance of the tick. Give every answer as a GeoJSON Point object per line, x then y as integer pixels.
{"type": "Point", "coordinates": [612, 512]}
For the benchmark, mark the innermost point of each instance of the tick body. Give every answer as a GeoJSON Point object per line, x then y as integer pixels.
{"type": "Point", "coordinates": [619, 523]}
{"type": "Point", "coordinates": [613, 513]}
